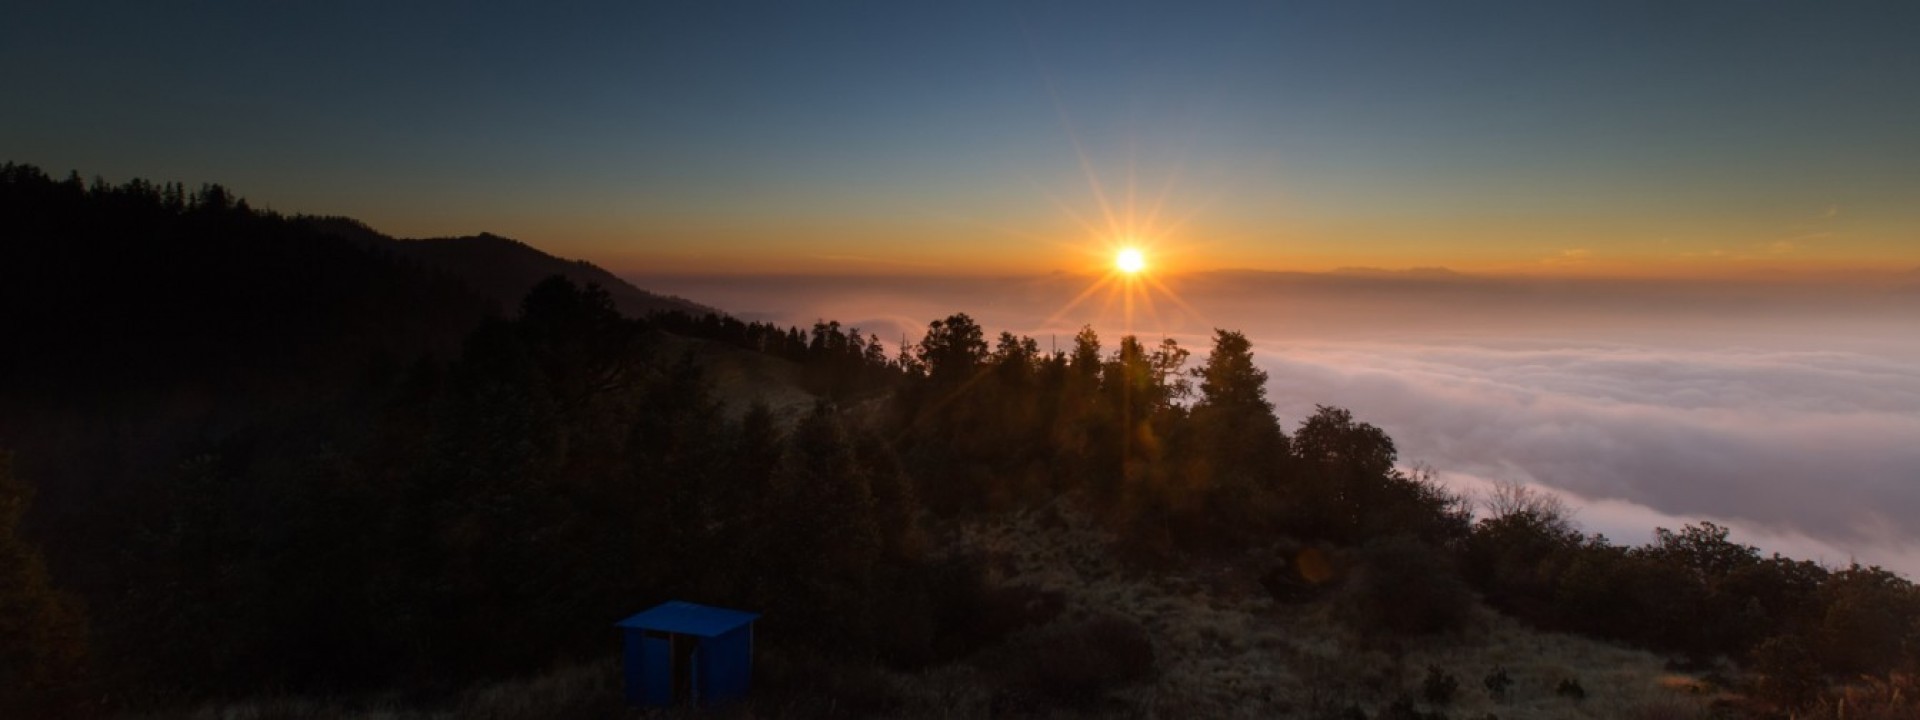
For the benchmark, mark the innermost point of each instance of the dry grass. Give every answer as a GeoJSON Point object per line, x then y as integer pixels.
{"type": "Point", "coordinates": [1226, 649]}
{"type": "Point", "coordinates": [1871, 698]}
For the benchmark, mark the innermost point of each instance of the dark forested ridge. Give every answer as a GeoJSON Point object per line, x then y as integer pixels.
{"type": "Point", "coordinates": [272, 458]}
{"type": "Point", "coordinates": [503, 269]}
{"type": "Point", "coordinates": [141, 310]}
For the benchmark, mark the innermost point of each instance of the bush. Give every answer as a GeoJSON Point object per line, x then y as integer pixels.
{"type": "Point", "coordinates": [1402, 709]}
{"type": "Point", "coordinates": [1405, 588]}
{"type": "Point", "coordinates": [1497, 683]}
{"type": "Point", "coordinates": [1789, 674]}
{"type": "Point", "coordinates": [1076, 665]}
{"type": "Point", "coordinates": [1869, 621]}
{"type": "Point", "coordinates": [1302, 575]}
{"type": "Point", "coordinates": [1570, 688]}
{"type": "Point", "coordinates": [947, 609]}
{"type": "Point", "coordinates": [1668, 710]}
{"type": "Point", "coordinates": [1439, 687]}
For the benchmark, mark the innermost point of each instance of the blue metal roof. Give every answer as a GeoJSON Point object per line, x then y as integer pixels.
{"type": "Point", "coordinates": [686, 618]}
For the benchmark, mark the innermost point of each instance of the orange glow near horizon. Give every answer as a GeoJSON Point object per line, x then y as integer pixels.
{"type": "Point", "coordinates": [1079, 224]}
{"type": "Point", "coordinates": [1128, 285]}
{"type": "Point", "coordinates": [1062, 241]}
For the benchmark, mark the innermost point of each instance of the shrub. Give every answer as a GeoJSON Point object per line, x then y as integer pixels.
{"type": "Point", "coordinates": [947, 609]}
{"type": "Point", "coordinates": [1570, 688]}
{"type": "Point", "coordinates": [1869, 621]}
{"type": "Point", "coordinates": [1439, 687]}
{"type": "Point", "coordinates": [1497, 683]}
{"type": "Point", "coordinates": [1301, 576]}
{"type": "Point", "coordinates": [1667, 710]}
{"type": "Point", "coordinates": [1405, 588]}
{"type": "Point", "coordinates": [1402, 709]}
{"type": "Point", "coordinates": [1789, 673]}
{"type": "Point", "coordinates": [1078, 664]}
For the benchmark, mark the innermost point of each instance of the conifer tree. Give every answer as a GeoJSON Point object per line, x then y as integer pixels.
{"type": "Point", "coordinates": [1235, 431]}
{"type": "Point", "coordinates": [822, 542]}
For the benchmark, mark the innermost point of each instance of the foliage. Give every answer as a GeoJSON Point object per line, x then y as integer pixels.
{"type": "Point", "coordinates": [1868, 626]}
{"type": "Point", "coordinates": [1078, 664]}
{"type": "Point", "coordinates": [43, 643]}
{"type": "Point", "coordinates": [1789, 675]}
{"type": "Point", "coordinates": [1439, 686]}
{"type": "Point", "coordinates": [1404, 587]}
{"type": "Point", "coordinates": [1571, 689]}
{"type": "Point", "coordinates": [838, 362]}
{"type": "Point", "coordinates": [1695, 592]}
{"type": "Point", "coordinates": [1497, 683]}
{"type": "Point", "coordinates": [1348, 488]}
{"type": "Point", "coordinates": [1402, 708]}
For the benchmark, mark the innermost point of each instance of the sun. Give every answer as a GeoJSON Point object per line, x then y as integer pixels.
{"type": "Point", "coordinates": [1130, 261]}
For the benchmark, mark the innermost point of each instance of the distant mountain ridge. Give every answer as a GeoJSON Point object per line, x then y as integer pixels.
{"type": "Point", "coordinates": [1414, 272]}
{"type": "Point", "coordinates": [503, 269]}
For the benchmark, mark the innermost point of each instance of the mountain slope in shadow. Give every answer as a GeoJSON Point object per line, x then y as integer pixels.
{"type": "Point", "coordinates": [505, 269]}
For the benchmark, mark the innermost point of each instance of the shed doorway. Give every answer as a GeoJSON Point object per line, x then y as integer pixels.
{"type": "Point", "coordinates": [675, 652]}
{"type": "Point", "coordinates": [684, 680]}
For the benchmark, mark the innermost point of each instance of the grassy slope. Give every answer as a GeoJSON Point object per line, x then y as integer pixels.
{"type": "Point", "coordinates": [1227, 649]}
{"type": "Point", "coordinates": [1224, 649]}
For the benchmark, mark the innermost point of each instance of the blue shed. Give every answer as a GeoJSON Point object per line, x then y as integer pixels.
{"type": "Point", "coordinates": [679, 652]}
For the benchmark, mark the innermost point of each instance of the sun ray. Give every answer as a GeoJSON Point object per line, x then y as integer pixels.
{"type": "Point", "coordinates": [1133, 175]}
{"type": "Point", "coordinates": [1144, 228]}
{"type": "Point", "coordinates": [1180, 223]}
{"type": "Point", "coordinates": [1075, 302]}
{"type": "Point", "coordinates": [1077, 218]}
{"type": "Point", "coordinates": [1176, 299]}
{"type": "Point", "coordinates": [1086, 164]}
{"type": "Point", "coordinates": [1009, 232]}
{"type": "Point", "coordinates": [1160, 201]}
{"type": "Point", "coordinates": [1153, 313]}
{"type": "Point", "coordinates": [1106, 306]}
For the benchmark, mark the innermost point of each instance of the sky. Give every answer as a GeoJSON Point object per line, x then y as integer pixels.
{"type": "Point", "coordinates": [1618, 139]}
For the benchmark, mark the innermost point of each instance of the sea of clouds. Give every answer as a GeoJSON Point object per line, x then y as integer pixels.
{"type": "Point", "coordinates": [1789, 412]}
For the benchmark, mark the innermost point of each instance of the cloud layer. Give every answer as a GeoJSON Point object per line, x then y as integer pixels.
{"type": "Point", "coordinates": [1789, 411]}
{"type": "Point", "coordinates": [1820, 446]}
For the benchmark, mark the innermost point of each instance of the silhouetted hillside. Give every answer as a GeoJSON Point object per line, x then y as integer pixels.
{"type": "Point", "coordinates": [505, 269]}
{"type": "Point", "coordinates": [105, 289]}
